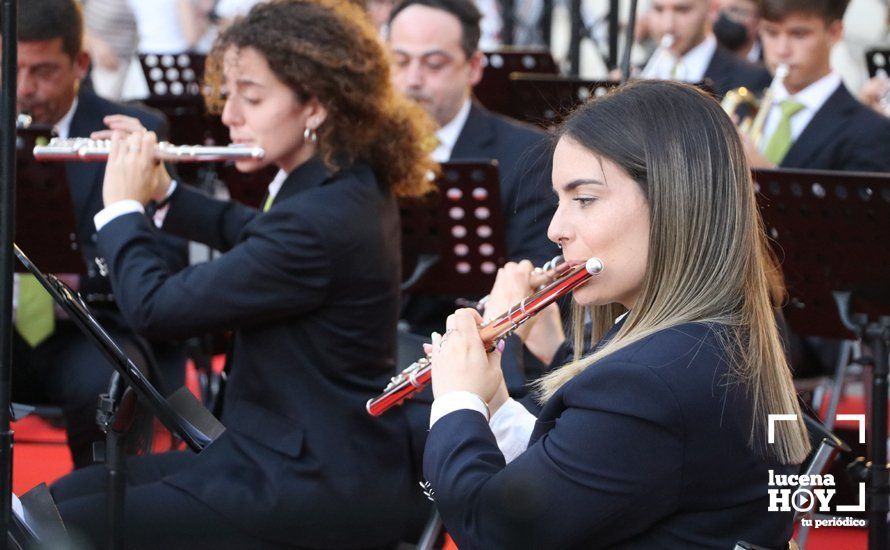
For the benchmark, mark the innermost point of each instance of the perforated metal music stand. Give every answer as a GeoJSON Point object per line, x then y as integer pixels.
{"type": "Point", "coordinates": [453, 241]}
{"type": "Point", "coordinates": [494, 90]}
{"type": "Point", "coordinates": [830, 230]}
{"type": "Point", "coordinates": [877, 59]}
{"type": "Point", "coordinates": [546, 99]}
{"type": "Point", "coordinates": [45, 221]}
{"type": "Point", "coordinates": [175, 88]}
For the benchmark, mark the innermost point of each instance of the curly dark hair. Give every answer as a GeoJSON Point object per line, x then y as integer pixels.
{"type": "Point", "coordinates": [326, 49]}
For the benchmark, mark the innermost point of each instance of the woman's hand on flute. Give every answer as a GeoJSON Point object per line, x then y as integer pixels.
{"type": "Point", "coordinates": [543, 333]}
{"type": "Point", "coordinates": [132, 173]}
{"type": "Point", "coordinates": [119, 123]}
{"type": "Point", "coordinates": [460, 361]}
{"type": "Point", "coordinates": [511, 285]}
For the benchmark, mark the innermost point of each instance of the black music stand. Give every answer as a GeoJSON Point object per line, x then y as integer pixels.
{"type": "Point", "coordinates": [546, 99]}
{"type": "Point", "coordinates": [830, 231]}
{"type": "Point", "coordinates": [453, 241]}
{"type": "Point", "coordinates": [175, 88]}
{"type": "Point", "coordinates": [180, 412]}
{"type": "Point", "coordinates": [494, 90]}
{"type": "Point", "coordinates": [878, 59]}
{"type": "Point", "coordinates": [44, 211]}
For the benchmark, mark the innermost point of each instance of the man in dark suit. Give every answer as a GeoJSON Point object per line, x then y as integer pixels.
{"type": "Point", "coordinates": [815, 122]}
{"type": "Point", "coordinates": [436, 61]}
{"type": "Point", "coordinates": [695, 55]}
{"type": "Point", "coordinates": [53, 361]}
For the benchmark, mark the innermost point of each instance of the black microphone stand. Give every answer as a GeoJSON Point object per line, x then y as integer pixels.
{"type": "Point", "coordinates": [876, 332]}
{"type": "Point", "coordinates": [8, 14]}
{"type": "Point", "coordinates": [629, 41]}
{"type": "Point", "coordinates": [117, 409]}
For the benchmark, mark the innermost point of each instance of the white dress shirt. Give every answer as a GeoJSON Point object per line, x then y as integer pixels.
{"type": "Point", "coordinates": [813, 97]}
{"type": "Point", "coordinates": [754, 53]}
{"type": "Point", "coordinates": [448, 134]}
{"type": "Point", "coordinates": [511, 425]}
{"type": "Point", "coordinates": [63, 126]}
{"type": "Point", "coordinates": [690, 67]}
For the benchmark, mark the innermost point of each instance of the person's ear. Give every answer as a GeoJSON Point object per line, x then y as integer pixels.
{"type": "Point", "coordinates": [81, 64]}
{"type": "Point", "coordinates": [836, 31]}
{"type": "Point", "coordinates": [317, 113]}
{"type": "Point", "coordinates": [713, 10]}
{"type": "Point", "coordinates": [476, 67]}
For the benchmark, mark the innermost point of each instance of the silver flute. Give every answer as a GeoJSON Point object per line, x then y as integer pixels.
{"type": "Point", "coordinates": [95, 150]}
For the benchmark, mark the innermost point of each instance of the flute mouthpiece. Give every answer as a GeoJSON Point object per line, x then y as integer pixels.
{"type": "Point", "coordinates": [594, 266]}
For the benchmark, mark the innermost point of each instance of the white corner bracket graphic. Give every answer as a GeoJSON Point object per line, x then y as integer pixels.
{"type": "Point", "coordinates": [773, 418]}
{"type": "Point", "coordinates": [858, 418]}
{"type": "Point", "coordinates": [857, 507]}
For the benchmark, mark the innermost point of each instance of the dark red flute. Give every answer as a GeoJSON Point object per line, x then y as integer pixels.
{"type": "Point", "coordinates": [414, 378]}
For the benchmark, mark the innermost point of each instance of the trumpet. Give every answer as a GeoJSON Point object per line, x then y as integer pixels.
{"type": "Point", "coordinates": [92, 150]}
{"type": "Point", "coordinates": [413, 379]}
{"type": "Point", "coordinates": [734, 100]}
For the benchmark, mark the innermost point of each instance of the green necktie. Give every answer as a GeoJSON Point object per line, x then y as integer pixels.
{"type": "Point", "coordinates": [34, 318]}
{"type": "Point", "coordinates": [780, 141]}
{"type": "Point", "coordinates": [268, 204]}
{"type": "Point", "coordinates": [679, 70]}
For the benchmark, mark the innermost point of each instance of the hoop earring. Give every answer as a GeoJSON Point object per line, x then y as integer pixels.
{"type": "Point", "coordinates": [310, 135]}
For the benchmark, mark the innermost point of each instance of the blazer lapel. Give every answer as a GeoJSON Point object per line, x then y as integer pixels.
{"type": "Point", "coordinates": [84, 178]}
{"type": "Point", "coordinates": [553, 408]}
{"type": "Point", "coordinates": [476, 138]}
{"type": "Point", "coordinates": [822, 128]}
{"type": "Point", "coordinates": [311, 173]}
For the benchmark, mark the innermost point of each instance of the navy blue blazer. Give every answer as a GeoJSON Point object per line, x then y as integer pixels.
{"type": "Point", "coordinates": [728, 70]}
{"type": "Point", "coordinates": [311, 290]}
{"type": "Point", "coordinates": [843, 135]}
{"type": "Point", "coordinates": [646, 449]}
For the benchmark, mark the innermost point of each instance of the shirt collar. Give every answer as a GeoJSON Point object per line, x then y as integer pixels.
{"type": "Point", "coordinates": [815, 95]}
{"type": "Point", "coordinates": [754, 53]}
{"type": "Point", "coordinates": [312, 173]}
{"type": "Point", "coordinates": [63, 126]}
{"type": "Point", "coordinates": [277, 182]}
{"type": "Point", "coordinates": [697, 59]}
{"type": "Point", "coordinates": [448, 134]}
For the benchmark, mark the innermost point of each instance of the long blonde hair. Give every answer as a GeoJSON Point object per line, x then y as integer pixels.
{"type": "Point", "coordinates": [709, 260]}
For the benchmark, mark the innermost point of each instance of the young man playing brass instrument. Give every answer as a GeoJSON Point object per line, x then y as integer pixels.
{"type": "Point", "coordinates": [693, 54]}
{"type": "Point", "coordinates": [814, 122]}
